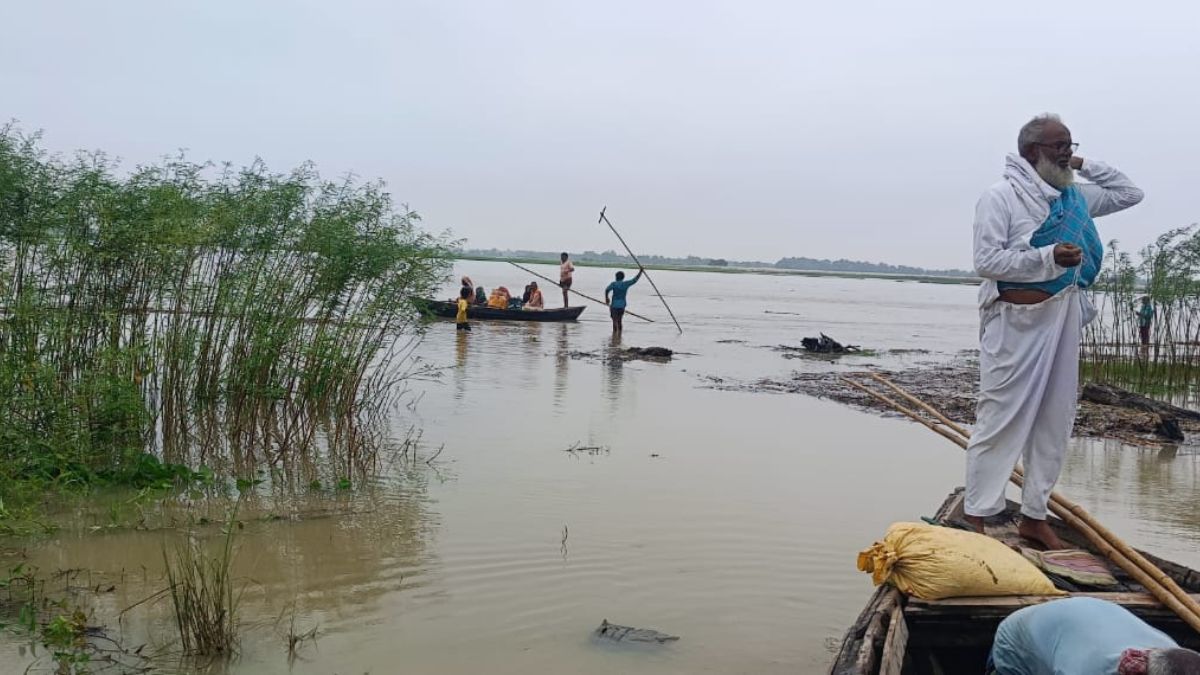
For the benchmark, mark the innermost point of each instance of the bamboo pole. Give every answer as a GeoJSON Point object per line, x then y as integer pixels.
{"type": "Point", "coordinates": [1157, 582]}
{"type": "Point", "coordinates": [604, 219]}
{"type": "Point", "coordinates": [950, 435]}
{"type": "Point", "coordinates": [928, 408]}
{"type": "Point", "coordinates": [572, 290]}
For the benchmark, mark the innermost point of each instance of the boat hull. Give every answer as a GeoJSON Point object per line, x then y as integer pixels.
{"type": "Point", "coordinates": [899, 635]}
{"type": "Point", "coordinates": [484, 313]}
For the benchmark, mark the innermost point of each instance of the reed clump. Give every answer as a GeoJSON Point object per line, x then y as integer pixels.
{"type": "Point", "coordinates": [202, 594]}
{"type": "Point", "coordinates": [1168, 272]}
{"type": "Point", "coordinates": [195, 313]}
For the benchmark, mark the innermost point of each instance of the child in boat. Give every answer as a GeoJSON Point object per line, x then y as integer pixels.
{"type": "Point", "coordinates": [1084, 635]}
{"type": "Point", "coordinates": [460, 319]}
{"type": "Point", "coordinates": [535, 300]}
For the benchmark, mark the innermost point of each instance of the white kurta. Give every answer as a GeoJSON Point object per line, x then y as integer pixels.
{"type": "Point", "coordinates": [1028, 354]}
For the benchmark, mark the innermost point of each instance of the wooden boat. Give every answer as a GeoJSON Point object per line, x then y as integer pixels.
{"type": "Point", "coordinates": [485, 313]}
{"type": "Point", "coordinates": [896, 634]}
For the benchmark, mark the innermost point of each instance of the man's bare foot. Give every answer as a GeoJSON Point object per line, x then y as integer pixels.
{"type": "Point", "coordinates": [1041, 532]}
{"type": "Point", "coordinates": [976, 522]}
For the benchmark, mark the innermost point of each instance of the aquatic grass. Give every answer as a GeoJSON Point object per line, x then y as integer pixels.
{"type": "Point", "coordinates": [202, 594]}
{"type": "Point", "coordinates": [207, 315]}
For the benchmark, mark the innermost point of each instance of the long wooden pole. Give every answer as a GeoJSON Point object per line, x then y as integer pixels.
{"type": "Point", "coordinates": [604, 219]}
{"type": "Point", "coordinates": [542, 276]}
{"type": "Point", "coordinates": [1160, 585]}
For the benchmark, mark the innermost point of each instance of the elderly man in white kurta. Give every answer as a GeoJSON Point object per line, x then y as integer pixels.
{"type": "Point", "coordinates": [1037, 250]}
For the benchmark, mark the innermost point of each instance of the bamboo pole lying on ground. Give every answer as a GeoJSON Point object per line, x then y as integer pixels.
{"type": "Point", "coordinates": [572, 290]}
{"type": "Point", "coordinates": [1158, 583]}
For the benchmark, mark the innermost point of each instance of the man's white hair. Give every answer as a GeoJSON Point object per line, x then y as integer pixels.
{"type": "Point", "coordinates": [1032, 131]}
{"type": "Point", "coordinates": [1177, 661]}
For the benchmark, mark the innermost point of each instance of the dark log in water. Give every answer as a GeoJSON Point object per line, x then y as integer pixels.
{"type": "Point", "coordinates": [1167, 423]}
{"type": "Point", "coordinates": [1115, 396]}
{"type": "Point", "coordinates": [612, 631]}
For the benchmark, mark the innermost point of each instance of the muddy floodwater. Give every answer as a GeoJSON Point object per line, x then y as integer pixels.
{"type": "Point", "coordinates": [728, 518]}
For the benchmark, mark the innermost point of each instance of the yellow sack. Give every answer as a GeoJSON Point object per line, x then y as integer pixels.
{"type": "Point", "coordinates": [932, 562]}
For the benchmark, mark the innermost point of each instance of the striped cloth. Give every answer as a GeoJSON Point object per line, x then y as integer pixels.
{"type": "Point", "coordinates": [1069, 223]}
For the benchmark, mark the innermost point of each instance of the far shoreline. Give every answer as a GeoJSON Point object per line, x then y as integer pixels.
{"type": "Point", "coordinates": [921, 278]}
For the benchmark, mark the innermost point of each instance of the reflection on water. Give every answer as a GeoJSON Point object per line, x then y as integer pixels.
{"type": "Point", "coordinates": [614, 370]}
{"type": "Point", "coordinates": [562, 362]}
{"type": "Point", "coordinates": [1147, 495]}
{"type": "Point", "coordinates": [731, 519]}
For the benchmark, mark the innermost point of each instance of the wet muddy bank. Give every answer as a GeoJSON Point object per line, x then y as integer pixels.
{"type": "Point", "coordinates": [952, 388]}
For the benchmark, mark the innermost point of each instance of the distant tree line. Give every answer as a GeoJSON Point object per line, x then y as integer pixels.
{"type": "Point", "coordinates": [791, 263]}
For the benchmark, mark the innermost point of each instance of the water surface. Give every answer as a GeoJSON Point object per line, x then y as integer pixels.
{"type": "Point", "coordinates": [729, 518]}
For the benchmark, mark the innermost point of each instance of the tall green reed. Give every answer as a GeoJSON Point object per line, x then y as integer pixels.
{"type": "Point", "coordinates": [203, 313]}
{"type": "Point", "coordinates": [1168, 272]}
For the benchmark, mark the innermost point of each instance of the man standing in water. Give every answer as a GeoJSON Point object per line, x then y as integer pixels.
{"type": "Point", "coordinates": [1036, 248]}
{"type": "Point", "coordinates": [618, 288]}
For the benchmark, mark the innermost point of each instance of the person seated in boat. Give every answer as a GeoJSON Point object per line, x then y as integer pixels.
{"type": "Point", "coordinates": [480, 296]}
{"type": "Point", "coordinates": [525, 294]}
{"type": "Point", "coordinates": [467, 284]}
{"type": "Point", "coordinates": [499, 298]}
{"type": "Point", "coordinates": [534, 300]}
{"type": "Point", "coordinates": [1085, 636]}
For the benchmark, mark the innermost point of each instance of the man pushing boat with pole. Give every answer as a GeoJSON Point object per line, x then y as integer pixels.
{"type": "Point", "coordinates": [1037, 250]}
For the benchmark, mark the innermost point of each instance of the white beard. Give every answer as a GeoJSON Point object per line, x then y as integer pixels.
{"type": "Point", "coordinates": [1058, 177]}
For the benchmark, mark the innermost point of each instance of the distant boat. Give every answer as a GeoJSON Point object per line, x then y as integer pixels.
{"type": "Point", "coordinates": [485, 313]}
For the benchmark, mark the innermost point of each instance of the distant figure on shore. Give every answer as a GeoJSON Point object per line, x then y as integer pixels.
{"type": "Point", "coordinates": [1037, 249]}
{"type": "Point", "coordinates": [535, 300]}
{"type": "Point", "coordinates": [1145, 315]}
{"type": "Point", "coordinates": [1085, 636]}
{"type": "Point", "coordinates": [566, 274]}
{"type": "Point", "coordinates": [464, 301]}
{"type": "Point", "coordinates": [618, 288]}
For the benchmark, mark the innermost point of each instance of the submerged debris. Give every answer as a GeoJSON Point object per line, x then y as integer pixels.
{"type": "Point", "coordinates": [660, 354]}
{"type": "Point", "coordinates": [612, 631]}
{"type": "Point", "coordinates": [648, 353]}
{"type": "Point", "coordinates": [827, 345]}
{"type": "Point", "coordinates": [592, 450]}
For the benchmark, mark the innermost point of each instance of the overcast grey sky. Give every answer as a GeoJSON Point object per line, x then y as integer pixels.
{"type": "Point", "coordinates": [863, 130]}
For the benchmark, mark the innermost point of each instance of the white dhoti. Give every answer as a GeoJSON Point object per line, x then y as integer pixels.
{"type": "Point", "coordinates": [1028, 379]}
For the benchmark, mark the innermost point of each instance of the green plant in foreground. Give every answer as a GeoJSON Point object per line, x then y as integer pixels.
{"type": "Point", "coordinates": [202, 594]}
